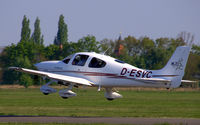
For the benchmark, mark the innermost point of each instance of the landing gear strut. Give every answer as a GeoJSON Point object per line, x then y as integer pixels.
{"type": "Point", "coordinates": [45, 89]}
{"type": "Point", "coordinates": [66, 93]}
{"type": "Point", "coordinates": [110, 95]}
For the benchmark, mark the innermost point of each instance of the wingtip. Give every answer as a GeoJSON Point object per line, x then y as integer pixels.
{"type": "Point", "coordinates": [14, 68]}
{"type": "Point", "coordinates": [91, 83]}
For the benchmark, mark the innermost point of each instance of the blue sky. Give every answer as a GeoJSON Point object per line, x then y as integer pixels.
{"type": "Point", "coordinates": [101, 18]}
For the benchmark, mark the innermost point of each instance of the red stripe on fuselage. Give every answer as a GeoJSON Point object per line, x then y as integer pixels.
{"type": "Point", "coordinates": [109, 75]}
{"type": "Point", "coordinates": [88, 73]}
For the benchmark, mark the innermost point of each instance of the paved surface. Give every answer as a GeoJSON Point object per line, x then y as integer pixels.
{"type": "Point", "coordinates": [109, 120]}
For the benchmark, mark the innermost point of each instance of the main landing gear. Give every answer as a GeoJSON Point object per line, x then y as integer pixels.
{"type": "Point", "coordinates": [110, 95]}
{"type": "Point", "coordinates": [64, 93]}
{"type": "Point", "coordinates": [45, 89]}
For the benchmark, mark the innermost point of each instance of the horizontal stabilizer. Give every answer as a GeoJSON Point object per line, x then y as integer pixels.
{"type": "Point", "coordinates": [153, 80]}
{"type": "Point", "coordinates": [188, 81]}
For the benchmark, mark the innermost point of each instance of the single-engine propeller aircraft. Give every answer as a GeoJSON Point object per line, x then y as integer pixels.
{"type": "Point", "coordinates": [99, 70]}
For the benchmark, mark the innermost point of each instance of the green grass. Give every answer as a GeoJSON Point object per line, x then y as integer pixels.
{"type": "Point", "coordinates": [63, 124]}
{"type": "Point", "coordinates": [71, 124]}
{"type": "Point", "coordinates": [89, 102]}
{"type": "Point", "coordinates": [59, 124]}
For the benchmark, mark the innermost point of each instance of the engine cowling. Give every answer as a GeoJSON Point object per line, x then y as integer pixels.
{"type": "Point", "coordinates": [112, 95]}
{"type": "Point", "coordinates": [47, 90]}
{"type": "Point", "coordinates": [66, 93]}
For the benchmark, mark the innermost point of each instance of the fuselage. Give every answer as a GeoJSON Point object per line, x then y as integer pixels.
{"type": "Point", "coordinates": [102, 70]}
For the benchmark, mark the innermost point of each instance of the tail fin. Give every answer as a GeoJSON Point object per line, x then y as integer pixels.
{"type": "Point", "coordinates": [176, 65]}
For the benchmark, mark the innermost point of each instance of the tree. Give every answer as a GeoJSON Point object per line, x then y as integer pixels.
{"type": "Point", "coordinates": [62, 34]}
{"type": "Point", "coordinates": [107, 47]}
{"type": "Point", "coordinates": [88, 44]}
{"type": "Point", "coordinates": [26, 31]}
{"type": "Point", "coordinates": [42, 40]}
{"type": "Point", "coordinates": [36, 36]}
{"type": "Point", "coordinates": [52, 52]}
{"type": "Point", "coordinates": [25, 80]}
{"type": "Point", "coordinates": [186, 38]}
{"type": "Point", "coordinates": [37, 41]}
{"type": "Point", "coordinates": [132, 45]}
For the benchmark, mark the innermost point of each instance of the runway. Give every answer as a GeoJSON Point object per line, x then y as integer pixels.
{"type": "Point", "coordinates": [109, 120]}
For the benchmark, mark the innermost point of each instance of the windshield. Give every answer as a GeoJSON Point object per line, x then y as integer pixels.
{"type": "Point", "coordinates": [67, 59]}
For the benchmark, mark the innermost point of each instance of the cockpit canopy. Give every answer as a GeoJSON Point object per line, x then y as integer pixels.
{"type": "Point", "coordinates": [81, 59]}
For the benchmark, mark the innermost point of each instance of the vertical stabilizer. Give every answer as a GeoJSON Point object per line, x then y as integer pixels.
{"type": "Point", "coordinates": [176, 65]}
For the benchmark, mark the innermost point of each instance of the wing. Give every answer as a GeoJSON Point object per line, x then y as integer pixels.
{"type": "Point", "coordinates": [64, 78]}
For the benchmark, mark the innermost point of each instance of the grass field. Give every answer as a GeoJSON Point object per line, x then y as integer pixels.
{"type": "Point", "coordinates": [72, 124]}
{"type": "Point", "coordinates": [89, 102]}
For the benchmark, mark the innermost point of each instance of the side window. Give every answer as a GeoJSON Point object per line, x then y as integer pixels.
{"type": "Point", "coordinates": [80, 60]}
{"type": "Point", "coordinates": [97, 63]}
{"type": "Point", "coordinates": [119, 61]}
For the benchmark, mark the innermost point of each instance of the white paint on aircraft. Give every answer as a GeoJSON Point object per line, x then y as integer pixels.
{"type": "Point", "coordinates": [99, 70]}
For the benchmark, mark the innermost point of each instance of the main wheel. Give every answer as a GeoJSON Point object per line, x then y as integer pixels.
{"type": "Point", "coordinates": [110, 99]}
{"type": "Point", "coordinates": [45, 93]}
{"type": "Point", "coordinates": [65, 97]}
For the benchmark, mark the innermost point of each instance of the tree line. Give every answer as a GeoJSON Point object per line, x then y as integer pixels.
{"type": "Point", "coordinates": [142, 52]}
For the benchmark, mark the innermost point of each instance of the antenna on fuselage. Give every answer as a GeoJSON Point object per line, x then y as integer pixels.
{"type": "Point", "coordinates": [106, 51]}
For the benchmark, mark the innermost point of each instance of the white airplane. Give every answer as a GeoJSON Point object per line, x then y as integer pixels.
{"type": "Point", "coordinates": [99, 70]}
